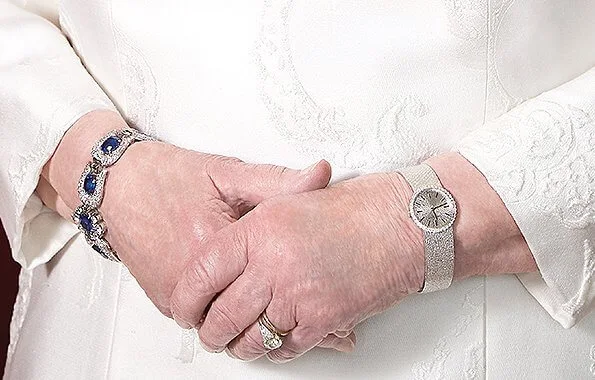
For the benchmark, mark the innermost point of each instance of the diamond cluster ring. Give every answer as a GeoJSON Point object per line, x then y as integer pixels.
{"type": "Point", "coordinates": [106, 152]}
{"type": "Point", "coordinates": [272, 338]}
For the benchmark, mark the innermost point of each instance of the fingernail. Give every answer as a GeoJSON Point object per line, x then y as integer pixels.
{"type": "Point", "coordinates": [310, 168]}
{"type": "Point", "coordinates": [209, 349]}
{"type": "Point", "coordinates": [182, 324]}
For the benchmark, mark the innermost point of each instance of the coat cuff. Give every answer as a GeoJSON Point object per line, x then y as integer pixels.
{"type": "Point", "coordinates": [38, 233]}
{"type": "Point", "coordinates": [44, 90]}
{"type": "Point", "coordinates": [539, 158]}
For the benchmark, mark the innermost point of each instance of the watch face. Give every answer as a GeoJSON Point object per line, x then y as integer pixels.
{"type": "Point", "coordinates": [433, 209]}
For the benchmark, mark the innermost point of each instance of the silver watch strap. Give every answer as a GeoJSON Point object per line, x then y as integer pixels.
{"type": "Point", "coordinates": [440, 260]}
{"type": "Point", "coordinates": [420, 177]}
{"type": "Point", "coordinates": [438, 246]}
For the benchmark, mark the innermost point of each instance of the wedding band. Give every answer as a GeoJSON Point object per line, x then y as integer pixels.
{"type": "Point", "coordinates": [271, 336]}
{"type": "Point", "coordinates": [267, 322]}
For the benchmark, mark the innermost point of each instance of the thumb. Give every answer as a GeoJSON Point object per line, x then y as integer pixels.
{"type": "Point", "coordinates": [243, 185]}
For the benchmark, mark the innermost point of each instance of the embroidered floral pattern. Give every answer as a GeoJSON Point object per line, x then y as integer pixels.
{"type": "Point", "coordinates": [498, 99]}
{"type": "Point", "coordinates": [467, 19]}
{"type": "Point", "coordinates": [576, 304]}
{"type": "Point", "coordinates": [545, 154]}
{"type": "Point", "coordinates": [474, 362]}
{"type": "Point", "coordinates": [140, 86]}
{"type": "Point", "coordinates": [540, 159]}
{"type": "Point", "coordinates": [433, 368]}
{"type": "Point", "coordinates": [592, 357]}
{"type": "Point", "coordinates": [326, 130]}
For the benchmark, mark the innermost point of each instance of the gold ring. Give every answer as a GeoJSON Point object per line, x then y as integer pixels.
{"type": "Point", "coordinates": [271, 326]}
{"type": "Point", "coordinates": [272, 338]}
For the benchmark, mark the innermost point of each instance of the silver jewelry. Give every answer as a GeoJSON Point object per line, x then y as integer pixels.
{"type": "Point", "coordinates": [434, 210]}
{"type": "Point", "coordinates": [106, 152]}
{"type": "Point", "coordinates": [272, 338]}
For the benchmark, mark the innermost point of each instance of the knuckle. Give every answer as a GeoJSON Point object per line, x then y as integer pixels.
{"type": "Point", "coordinates": [280, 171]}
{"type": "Point", "coordinates": [214, 162]}
{"type": "Point", "coordinates": [290, 352]}
{"type": "Point", "coordinates": [247, 347]}
{"type": "Point", "coordinates": [221, 319]}
{"type": "Point", "coordinates": [253, 344]}
{"type": "Point", "coordinates": [309, 336]}
{"type": "Point", "coordinates": [200, 279]}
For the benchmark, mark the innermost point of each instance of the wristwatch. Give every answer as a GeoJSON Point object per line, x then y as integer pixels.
{"type": "Point", "coordinates": [434, 210]}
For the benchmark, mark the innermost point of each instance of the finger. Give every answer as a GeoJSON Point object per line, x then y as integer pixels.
{"type": "Point", "coordinates": [342, 344]}
{"type": "Point", "coordinates": [299, 341]}
{"type": "Point", "coordinates": [219, 260]}
{"type": "Point", "coordinates": [342, 333]}
{"type": "Point", "coordinates": [244, 185]}
{"type": "Point", "coordinates": [249, 344]}
{"type": "Point", "coordinates": [233, 311]}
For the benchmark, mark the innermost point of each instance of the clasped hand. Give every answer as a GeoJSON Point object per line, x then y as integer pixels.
{"type": "Point", "coordinates": [317, 262]}
{"type": "Point", "coordinates": [240, 239]}
{"type": "Point", "coordinates": [215, 242]}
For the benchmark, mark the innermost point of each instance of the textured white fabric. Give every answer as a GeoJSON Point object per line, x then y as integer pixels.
{"type": "Point", "coordinates": [370, 86]}
{"type": "Point", "coordinates": [44, 90]}
{"type": "Point", "coordinates": [540, 158]}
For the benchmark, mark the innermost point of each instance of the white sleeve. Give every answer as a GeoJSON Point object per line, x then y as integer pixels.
{"type": "Point", "coordinates": [44, 89]}
{"type": "Point", "coordinates": [540, 159]}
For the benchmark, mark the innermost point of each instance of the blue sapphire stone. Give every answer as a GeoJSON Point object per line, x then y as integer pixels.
{"type": "Point", "coordinates": [90, 183]}
{"type": "Point", "coordinates": [110, 144]}
{"type": "Point", "coordinates": [86, 222]}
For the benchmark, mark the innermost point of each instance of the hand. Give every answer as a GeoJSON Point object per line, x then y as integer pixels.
{"type": "Point", "coordinates": [318, 263]}
{"type": "Point", "coordinates": [161, 201]}
{"type": "Point", "coordinates": [323, 261]}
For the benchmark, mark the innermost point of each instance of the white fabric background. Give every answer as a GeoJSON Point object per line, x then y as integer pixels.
{"type": "Point", "coordinates": [370, 86]}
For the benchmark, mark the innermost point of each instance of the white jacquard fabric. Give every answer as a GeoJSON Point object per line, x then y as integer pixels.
{"type": "Point", "coordinates": [44, 89]}
{"type": "Point", "coordinates": [540, 158]}
{"type": "Point", "coordinates": [370, 86]}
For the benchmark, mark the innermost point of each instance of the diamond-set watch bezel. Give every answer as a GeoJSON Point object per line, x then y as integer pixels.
{"type": "Point", "coordinates": [451, 202]}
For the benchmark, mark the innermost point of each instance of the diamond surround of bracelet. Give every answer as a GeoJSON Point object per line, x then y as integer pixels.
{"type": "Point", "coordinates": [106, 152]}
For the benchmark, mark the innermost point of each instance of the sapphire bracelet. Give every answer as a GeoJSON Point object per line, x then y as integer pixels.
{"type": "Point", "coordinates": [105, 153]}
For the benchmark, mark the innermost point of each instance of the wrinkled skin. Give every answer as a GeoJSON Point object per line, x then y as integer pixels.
{"type": "Point", "coordinates": [156, 233]}
{"type": "Point", "coordinates": [318, 263]}
{"type": "Point", "coordinates": [318, 260]}
{"type": "Point", "coordinates": [162, 201]}
{"type": "Point", "coordinates": [321, 262]}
